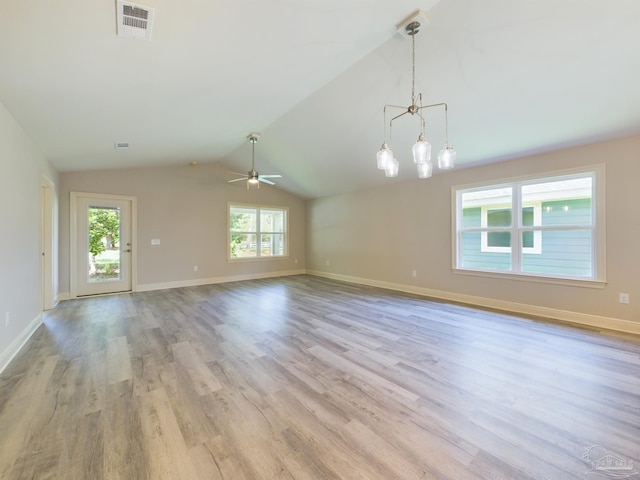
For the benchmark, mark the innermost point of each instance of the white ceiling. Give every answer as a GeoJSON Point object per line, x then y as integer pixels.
{"type": "Point", "coordinates": [519, 76]}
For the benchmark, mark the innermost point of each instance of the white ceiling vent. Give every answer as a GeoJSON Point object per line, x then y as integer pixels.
{"type": "Point", "coordinates": [134, 21]}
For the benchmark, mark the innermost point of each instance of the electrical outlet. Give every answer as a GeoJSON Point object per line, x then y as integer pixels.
{"type": "Point", "coordinates": [327, 263]}
{"type": "Point", "coordinates": [623, 298]}
{"type": "Point", "coordinates": [195, 268]}
{"type": "Point", "coordinates": [413, 273]}
{"type": "Point", "coordinates": [7, 319]}
{"type": "Point", "coordinates": [296, 261]}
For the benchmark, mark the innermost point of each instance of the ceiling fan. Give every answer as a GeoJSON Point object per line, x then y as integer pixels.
{"type": "Point", "coordinates": [253, 177]}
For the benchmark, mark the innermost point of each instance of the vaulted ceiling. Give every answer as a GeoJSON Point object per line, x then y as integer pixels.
{"type": "Point", "coordinates": [312, 76]}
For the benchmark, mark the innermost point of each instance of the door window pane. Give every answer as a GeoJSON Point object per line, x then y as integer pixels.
{"type": "Point", "coordinates": [104, 244]}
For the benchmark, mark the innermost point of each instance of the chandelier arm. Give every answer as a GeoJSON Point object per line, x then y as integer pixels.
{"type": "Point", "coordinates": [446, 118]}
{"type": "Point", "coordinates": [422, 122]}
{"type": "Point", "coordinates": [384, 123]}
{"type": "Point", "coordinates": [397, 116]}
{"type": "Point", "coordinates": [434, 105]}
{"type": "Point", "coordinates": [446, 124]}
{"type": "Point", "coordinates": [401, 107]}
{"type": "Point", "coordinates": [384, 120]}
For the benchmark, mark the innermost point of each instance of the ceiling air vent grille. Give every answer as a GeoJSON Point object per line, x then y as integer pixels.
{"type": "Point", "coordinates": [134, 21]}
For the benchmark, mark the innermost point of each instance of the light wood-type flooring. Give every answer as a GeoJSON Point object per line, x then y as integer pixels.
{"type": "Point", "coordinates": [307, 378]}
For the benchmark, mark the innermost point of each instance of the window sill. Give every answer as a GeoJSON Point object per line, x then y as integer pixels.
{"type": "Point", "coordinates": [571, 282]}
{"type": "Point", "coordinates": [257, 259]}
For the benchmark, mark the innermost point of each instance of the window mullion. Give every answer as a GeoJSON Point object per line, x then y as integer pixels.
{"type": "Point", "coordinates": [258, 234]}
{"type": "Point", "coordinates": [516, 224]}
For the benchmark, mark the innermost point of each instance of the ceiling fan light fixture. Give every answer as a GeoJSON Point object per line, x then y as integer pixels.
{"type": "Point", "coordinates": [253, 177]}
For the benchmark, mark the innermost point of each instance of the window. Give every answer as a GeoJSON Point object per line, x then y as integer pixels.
{"type": "Point", "coordinates": [544, 227]}
{"type": "Point", "coordinates": [257, 232]}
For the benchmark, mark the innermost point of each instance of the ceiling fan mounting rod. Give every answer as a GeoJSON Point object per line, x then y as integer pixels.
{"type": "Point", "coordinates": [253, 138]}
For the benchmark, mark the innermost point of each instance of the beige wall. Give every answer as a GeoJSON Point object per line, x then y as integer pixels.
{"type": "Point", "coordinates": [382, 234]}
{"type": "Point", "coordinates": [22, 167]}
{"type": "Point", "coordinates": [185, 207]}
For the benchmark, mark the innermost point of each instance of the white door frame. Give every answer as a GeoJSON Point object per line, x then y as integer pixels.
{"type": "Point", "coordinates": [73, 237]}
{"type": "Point", "coordinates": [48, 251]}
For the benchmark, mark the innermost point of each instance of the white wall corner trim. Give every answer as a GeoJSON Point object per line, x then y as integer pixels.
{"type": "Point", "coordinates": [208, 281]}
{"type": "Point", "coordinates": [14, 348]}
{"type": "Point", "coordinates": [577, 318]}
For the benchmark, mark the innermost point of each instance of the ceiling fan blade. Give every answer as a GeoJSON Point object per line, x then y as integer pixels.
{"type": "Point", "coordinates": [271, 176]}
{"type": "Point", "coordinates": [263, 180]}
{"type": "Point", "coordinates": [236, 180]}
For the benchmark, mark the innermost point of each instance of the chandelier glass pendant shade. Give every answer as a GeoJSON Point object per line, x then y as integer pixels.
{"type": "Point", "coordinates": [422, 149]}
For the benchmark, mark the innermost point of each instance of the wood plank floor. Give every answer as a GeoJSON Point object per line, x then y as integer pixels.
{"type": "Point", "coordinates": [307, 378]}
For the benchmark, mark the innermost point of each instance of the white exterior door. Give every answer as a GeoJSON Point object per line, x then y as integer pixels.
{"type": "Point", "coordinates": [102, 244]}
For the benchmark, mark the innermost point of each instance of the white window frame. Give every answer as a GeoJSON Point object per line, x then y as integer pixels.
{"type": "Point", "coordinates": [537, 234]}
{"type": "Point", "coordinates": [258, 232]}
{"type": "Point", "coordinates": [598, 227]}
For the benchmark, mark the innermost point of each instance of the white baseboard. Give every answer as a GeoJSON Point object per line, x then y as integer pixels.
{"type": "Point", "coordinates": [607, 323]}
{"type": "Point", "coordinates": [208, 281]}
{"type": "Point", "coordinates": [12, 350]}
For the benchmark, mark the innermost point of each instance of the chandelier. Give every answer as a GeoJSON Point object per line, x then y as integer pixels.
{"type": "Point", "coordinates": [422, 149]}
